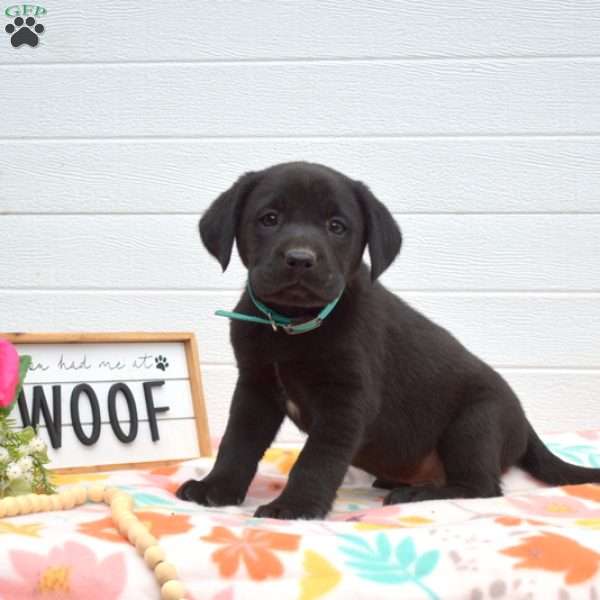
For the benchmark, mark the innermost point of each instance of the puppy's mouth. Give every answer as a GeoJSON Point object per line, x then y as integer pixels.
{"type": "Point", "coordinates": [294, 295]}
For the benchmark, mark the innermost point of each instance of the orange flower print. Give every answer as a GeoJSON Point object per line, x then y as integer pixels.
{"type": "Point", "coordinates": [162, 477]}
{"type": "Point", "coordinates": [254, 548]}
{"type": "Point", "coordinates": [509, 521]}
{"type": "Point", "coordinates": [157, 523]}
{"type": "Point", "coordinates": [554, 506]}
{"type": "Point", "coordinates": [553, 552]}
{"type": "Point", "coordinates": [587, 491]}
{"type": "Point", "coordinates": [165, 469]}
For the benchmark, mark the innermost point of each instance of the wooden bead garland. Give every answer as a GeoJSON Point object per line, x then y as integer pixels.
{"type": "Point", "coordinates": [124, 521]}
{"type": "Point", "coordinates": [154, 555]}
{"type": "Point", "coordinates": [121, 507]}
{"type": "Point", "coordinates": [164, 572]}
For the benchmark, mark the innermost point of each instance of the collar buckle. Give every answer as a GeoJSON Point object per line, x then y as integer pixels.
{"type": "Point", "coordinates": [277, 321]}
{"type": "Point", "coordinates": [272, 321]}
{"type": "Point", "coordinates": [290, 328]}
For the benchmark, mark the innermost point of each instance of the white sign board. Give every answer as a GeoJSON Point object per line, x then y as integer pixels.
{"type": "Point", "coordinates": [109, 400]}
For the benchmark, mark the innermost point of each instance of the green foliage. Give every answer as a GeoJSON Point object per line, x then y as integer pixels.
{"type": "Point", "coordinates": [18, 445]}
{"type": "Point", "coordinates": [24, 362]}
{"type": "Point", "coordinates": [21, 451]}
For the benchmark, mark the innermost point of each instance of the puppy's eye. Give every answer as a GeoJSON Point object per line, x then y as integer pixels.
{"type": "Point", "coordinates": [336, 226]}
{"type": "Point", "coordinates": [270, 219]}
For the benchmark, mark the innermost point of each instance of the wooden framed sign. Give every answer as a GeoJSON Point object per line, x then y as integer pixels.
{"type": "Point", "coordinates": [113, 400]}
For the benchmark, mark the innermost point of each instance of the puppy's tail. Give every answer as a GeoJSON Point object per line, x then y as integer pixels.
{"type": "Point", "coordinates": [545, 466]}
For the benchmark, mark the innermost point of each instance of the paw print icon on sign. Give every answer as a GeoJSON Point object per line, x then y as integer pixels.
{"type": "Point", "coordinates": [24, 32]}
{"type": "Point", "coordinates": [161, 362]}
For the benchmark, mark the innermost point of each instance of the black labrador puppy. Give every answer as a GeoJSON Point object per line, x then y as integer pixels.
{"type": "Point", "coordinates": [373, 382]}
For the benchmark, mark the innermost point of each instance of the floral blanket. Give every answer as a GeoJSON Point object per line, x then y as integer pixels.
{"type": "Point", "coordinates": [535, 542]}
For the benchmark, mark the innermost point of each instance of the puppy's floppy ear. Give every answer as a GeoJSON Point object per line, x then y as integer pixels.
{"type": "Point", "coordinates": [219, 223]}
{"type": "Point", "coordinates": [383, 234]}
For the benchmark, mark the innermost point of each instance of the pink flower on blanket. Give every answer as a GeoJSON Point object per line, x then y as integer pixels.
{"type": "Point", "coordinates": [224, 594]}
{"type": "Point", "coordinates": [554, 506]}
{"type": "Point", "coordinates": [593, 434]}
{"type": "Point", "coordinates": [71, 571]}
{"type": "Point", "coordinates": [264, 487]}
{"type": "Point", "coordinates": [381, 515]}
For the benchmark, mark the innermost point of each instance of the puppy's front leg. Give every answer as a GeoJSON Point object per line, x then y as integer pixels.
{"type": "Point", "coordinates": [320, 469]}
{"type": "Point", "coordinates": [254, 419]}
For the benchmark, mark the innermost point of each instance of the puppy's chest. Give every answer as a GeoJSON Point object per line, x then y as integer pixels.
{"type": "Point", "coordinates": [293, 400]}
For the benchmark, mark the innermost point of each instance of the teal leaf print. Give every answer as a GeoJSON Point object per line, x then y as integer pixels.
{"type": "Point", "coordinates": [383, 546]}
{"type": "Point", "coordinates": [381, 563]}
{"type": "Point", "coordinates": [406, 552]}
{"type": "Point", "coordinates": [426, 563]}
{"type": "Point", "coordinates": [389, 578]}
{"type": "Point", "coordinates": [356, 539]}
{"type": "Point", "coordinates": [359, 556]}
{"type": "Point", "coordinates": [149, 500]}
{"type": "Point", "coordinates": [583, 455]}
{"type": "Point", "coordinates": [146, 499]}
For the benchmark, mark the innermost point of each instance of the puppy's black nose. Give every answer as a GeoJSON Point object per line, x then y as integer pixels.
{"type": "Point", "coordinates": [300, 258]}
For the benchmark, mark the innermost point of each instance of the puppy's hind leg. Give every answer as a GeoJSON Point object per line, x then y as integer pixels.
{"type": "Point", "coordinates": [474, 449]}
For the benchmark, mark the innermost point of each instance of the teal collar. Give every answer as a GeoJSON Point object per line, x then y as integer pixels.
{"type": "Point", "coordinates": [276, 320]}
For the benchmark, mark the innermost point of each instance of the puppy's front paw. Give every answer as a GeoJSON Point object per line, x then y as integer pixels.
{"type": "Point", "coordinates": [285, 510]}
{"type": "Point", "coordinates": [208, 493]}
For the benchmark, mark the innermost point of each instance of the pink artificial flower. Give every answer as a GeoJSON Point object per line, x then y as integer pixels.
{"type": "Point", "coordinates": [72, 571]}
{"type": "Point", "coordinates": [9, 373]}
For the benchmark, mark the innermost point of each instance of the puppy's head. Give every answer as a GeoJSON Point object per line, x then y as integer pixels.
{"type": "Point", "coordinates": [301, 230]}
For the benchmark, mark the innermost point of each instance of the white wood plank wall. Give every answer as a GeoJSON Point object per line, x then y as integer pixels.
{"type": "Point", "coordinates": [476, 122]}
